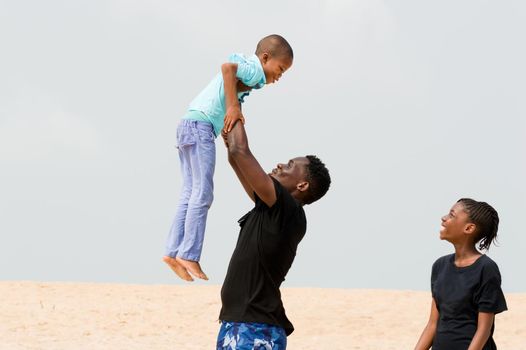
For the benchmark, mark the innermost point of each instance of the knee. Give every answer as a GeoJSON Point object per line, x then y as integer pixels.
{"type": "Point", "coordinates": [185, 195]}
{"type": "Point", "coordinates": [202, 199]}
{"type": "Point", "coordinates": [207, 198]}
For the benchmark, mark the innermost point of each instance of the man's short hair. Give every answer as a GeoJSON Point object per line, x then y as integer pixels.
{"type": "Point", "coordinates": [276, 45]}
{"type": "Point", "coordinates": [319, 179]}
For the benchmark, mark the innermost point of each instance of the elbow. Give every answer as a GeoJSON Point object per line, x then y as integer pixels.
{"type": "Point", "coordinates": [228, 68]}
{"type": "Point", "coordinates": [231, 160]}
{"type": "Point", "coordinates": [237, 151]}
{"type": "Point", "coordinates": [432, 326]}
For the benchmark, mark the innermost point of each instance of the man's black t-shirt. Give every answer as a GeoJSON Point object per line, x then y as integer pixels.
{"type": "Point", "coordinates": [264, 252]}
{"type": "Point", "coordinates": [460, 294]}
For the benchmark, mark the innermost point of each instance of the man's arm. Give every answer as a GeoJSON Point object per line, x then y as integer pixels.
{"type": "Point", "coordinates": [252, 176]}
{"type": "Point", "coordinates": [233, 109]}
{"type": "Point", "coordinates": [249, 190]}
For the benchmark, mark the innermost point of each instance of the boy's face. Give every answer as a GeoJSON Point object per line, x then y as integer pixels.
{"type": "Point", "coordinates": [274, 67]}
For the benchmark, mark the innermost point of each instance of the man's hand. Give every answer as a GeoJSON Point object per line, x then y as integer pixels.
{"type": "Point", "coordinates": [232, 115]}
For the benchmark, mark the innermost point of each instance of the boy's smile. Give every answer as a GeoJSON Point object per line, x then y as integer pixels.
{"type": "Point", "coordinates": [274, 67]}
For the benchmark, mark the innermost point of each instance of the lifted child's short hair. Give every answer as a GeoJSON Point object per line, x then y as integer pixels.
{"type": "Point", "coordinates": [275, 45]}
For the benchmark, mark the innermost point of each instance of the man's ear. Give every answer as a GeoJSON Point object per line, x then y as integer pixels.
{"type": "Point", "coordinates": [302, 186]}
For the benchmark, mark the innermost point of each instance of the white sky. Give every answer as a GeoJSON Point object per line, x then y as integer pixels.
{"type": "Point", "coordinates": [412, 105]}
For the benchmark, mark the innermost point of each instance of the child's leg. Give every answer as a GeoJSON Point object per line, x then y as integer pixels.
{"type": "Point", "coordinates": [185, 142]}
{"type": "Point", "coordinates": [176, 235]}
{"type": "Point", "coordinates": [202, 162]}
{"type": "Point", "coordinates": [202, 195]}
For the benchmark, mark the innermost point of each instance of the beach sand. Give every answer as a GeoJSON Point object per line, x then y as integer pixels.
{"type": "Point", "coordinates": [78, 316]}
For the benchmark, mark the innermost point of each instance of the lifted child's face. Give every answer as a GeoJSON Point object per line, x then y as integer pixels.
{"type": "Point", "coordinates": [274, 67]}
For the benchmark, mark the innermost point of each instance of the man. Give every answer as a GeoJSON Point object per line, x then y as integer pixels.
{"type": "Point", "coordinates": [252, 314]}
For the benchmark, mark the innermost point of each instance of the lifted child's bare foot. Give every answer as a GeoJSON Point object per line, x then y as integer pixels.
{"type": "Point", "coordinates": [179, 269]}
{"type": "Point", "coordinates": [193, 267]}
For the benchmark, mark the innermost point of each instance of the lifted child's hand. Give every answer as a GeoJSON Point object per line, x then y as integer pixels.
{"type": "Point", "coordinates": [224, 136]}
{"type": "Point", "coordinates": [232, 115]}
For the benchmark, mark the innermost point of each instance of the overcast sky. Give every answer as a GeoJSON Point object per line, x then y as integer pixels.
{"type": "Point", "coordinates": [411, 104]}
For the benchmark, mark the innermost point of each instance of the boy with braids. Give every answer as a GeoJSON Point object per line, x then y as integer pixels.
{"type": "Point", "coordinates": [465, 285]}
{"type": "Point", "coordinates": [217, 106]}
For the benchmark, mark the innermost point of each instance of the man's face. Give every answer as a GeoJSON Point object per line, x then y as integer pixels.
{"type": "Point", "coordinates": [274, 67]}
{"type": "Point", "coordinates": [292, 173]}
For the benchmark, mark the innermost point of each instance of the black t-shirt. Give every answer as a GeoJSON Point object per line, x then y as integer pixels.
{"type": "Point", "coordinates": [460, 294]}
{"type": "Point", "coordinates": [264, 252]}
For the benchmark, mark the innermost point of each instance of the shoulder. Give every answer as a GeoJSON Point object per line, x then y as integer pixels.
{"type": "Point", "coordinates": [443, 260]}
{"type": "Point", "coordinates": [487, 261]}
{"type": "Point", "coordinates": [254, 60]}
{"type": "Point", "coordinates": [441, 263]}
{"type": "Point", "coordinates": [236, 57]}
{"type": "Point", "coordinates": [284, 196]}
{"type": "Point", "coordinates": [249, 70]}
{"type": "Point", "coordinates": [488, 265]}
{"type": "Point", "coordinates": [240, 58]}
{"type": "Point", "coordinates": [281, 195]}
{"type": "Point", "coordinates": [286, 203]}
{"type": "Point", "coordinates": [247, 62]}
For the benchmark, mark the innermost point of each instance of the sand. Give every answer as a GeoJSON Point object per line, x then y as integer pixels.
{"type": "Point", "coordinates": [77, 316]}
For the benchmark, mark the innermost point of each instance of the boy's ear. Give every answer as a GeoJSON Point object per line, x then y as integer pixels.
{"type": "Point", "coordinates": [265, 57]}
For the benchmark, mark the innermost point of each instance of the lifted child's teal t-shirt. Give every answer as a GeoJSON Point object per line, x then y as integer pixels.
{"type": "Point", "coordinates": [209, 105]}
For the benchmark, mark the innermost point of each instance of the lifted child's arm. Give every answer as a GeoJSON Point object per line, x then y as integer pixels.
{"type": "Point", "coordinates": [233, 108]}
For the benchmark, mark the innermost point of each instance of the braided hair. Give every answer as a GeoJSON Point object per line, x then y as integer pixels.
{"type": "Point", "coordinates": [485, 218]}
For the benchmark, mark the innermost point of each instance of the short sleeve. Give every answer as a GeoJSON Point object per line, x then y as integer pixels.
{"type": "Point", "coordinates": [434, 273]}
{"type": "Point", "coordinates": [489, 296]}
{"type": "Point", "coordinates": [249, 71]}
